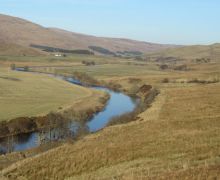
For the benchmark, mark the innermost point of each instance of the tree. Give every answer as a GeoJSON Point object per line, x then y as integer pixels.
{"type": "Point", "coordinates": [13, 66]}
{"type": "Point", "coordinates": [26, 68]}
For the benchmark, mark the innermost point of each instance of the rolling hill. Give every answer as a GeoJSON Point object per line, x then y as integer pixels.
{"type": "Point", "coordinates": [24, 33]}
{"type": "Point", "coordinates": [10, 49]}
{"type": "Point", "coordinates": [190, 52]}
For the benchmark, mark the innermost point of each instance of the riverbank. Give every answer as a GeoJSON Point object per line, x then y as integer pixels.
{"type": "Point", "coordinates": [145, 93]}
{"type": "Point", "coordinates": [81, 111]}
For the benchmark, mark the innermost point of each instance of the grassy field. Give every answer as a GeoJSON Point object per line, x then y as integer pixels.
{"type": "Point", "coordinates": [25, 94]}
{"type": "Point", "coordinates": [109, 70]}
{"type": "Point", "coordinates": [52, 60]}
{"type": "Point", "coordinates": [176, 138]}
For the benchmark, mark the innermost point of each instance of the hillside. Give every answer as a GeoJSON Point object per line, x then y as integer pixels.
{"type": "Point", "coordinates": [14, 49]}
{"type": "Point", "coordinates": [191, 52]}
{"type": "Point", "coordinates": [24, 33]}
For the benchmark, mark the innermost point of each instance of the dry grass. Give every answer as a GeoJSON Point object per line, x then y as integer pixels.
{"type": "Point", "coordinates": [191, 52]}
{"type": "Point", "coordinates": [13, 49]}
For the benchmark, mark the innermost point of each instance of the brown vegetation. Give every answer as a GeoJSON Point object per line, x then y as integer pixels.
{"type": "Point", "coordinates": [164, 66]}
{"type": "Point", "coordinates": [203, 81]}
{"type": "Point", "coordinates": [81, 112]}
{"type": "Point", "coordinates": [85, 79]}
{"type": "Point", "coordinates": [181, 68]}
{"type": "Point", "coordinates": [88, 63]}
{"type": "Point", "coordinates": [165, 80]}
{"type": "Point", "coordinates": [24, 33]}
{"type": "Point", "coordinates": [147, 96]}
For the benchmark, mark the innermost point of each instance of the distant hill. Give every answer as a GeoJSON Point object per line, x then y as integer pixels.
{"type": "Point", "coordinates": [191, 52]}
{"type": "Point", "coordinates": [24, 33]}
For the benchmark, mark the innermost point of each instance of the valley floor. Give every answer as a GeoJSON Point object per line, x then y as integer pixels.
{"type": "Point", "coordinates": [176, 138]}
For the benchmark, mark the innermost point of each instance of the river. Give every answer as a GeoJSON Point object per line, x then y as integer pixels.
{"type": "Point", "coordinates": [117, 105]}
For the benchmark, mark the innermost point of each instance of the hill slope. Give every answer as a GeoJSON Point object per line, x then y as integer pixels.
{"type": "Point", "coordinates": [191, 52]}
{"type": "Point", "coordinates": [24, 33]}
{"type": "Point", "coordinates": [17, 50]}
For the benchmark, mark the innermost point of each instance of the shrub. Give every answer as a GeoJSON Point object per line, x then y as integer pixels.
{"type": "Point", "coordinates": [85, 78]}
{"type": "Point", "coordinates": [88, 63]}
{"type": "Point", "coordinates": [181, 68]}
{"type": "Point", "coordinates": [202, 81]}
{"type": "Point", "coordinates": [26, 68]}
{"type": "Point", "coordinates": [132, 116]}
{"type": "Point", "coordinates": [13, 66]}
{"type": "Point", "coordinates": [203, 60]}
{"type": "Point", "coordinates": [134, 80]}
{"type": "Point", "coordinates": [134, 90]}
{"type": "Point", "coordinates": [113, 86]}
{"type": "Point", "coordinates": [165, 80]}
{"type": "Point", "coordinates": [164, 66]}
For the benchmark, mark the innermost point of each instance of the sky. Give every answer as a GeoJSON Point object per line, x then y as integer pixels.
{"type": "Point", "coordinates": [160, 21]}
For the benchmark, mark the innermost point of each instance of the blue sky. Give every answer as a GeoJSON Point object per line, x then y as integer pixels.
{"type": "Point", "coordinates": [161, 21]}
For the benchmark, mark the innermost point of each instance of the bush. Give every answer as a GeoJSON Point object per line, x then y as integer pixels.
{"type": "Point", "coordinates": [113, 86]}
{"type": "Point", "coordinates": [26, 68]}
{"type": "Point", "coordinates": [202, 81]}
{"type": "Point", "coordinates": [21, 125]}
{"type": "Point", "coordinates": [134, 80]}
{"type": "Point", "coordinates": [13, 66]}
{"type": "Point", "coordinates": [165, 80]}
{"type": "Point", "coordinates": [181, 68]}
{"type": "Point", "coordinates": [88, 63]}
{"type": "Point", "coordinates": [132, 116]}
{"type": "Point", "coordinates": [125, 118]}
{"type": "Point", "coordinates": [134, 90]}
{"type": "Point", "coordinates": [203, 60]}
{"type": "Point", "coordinates": [164, 66]}
{"type": "Point", "coordinates": [85, 78]}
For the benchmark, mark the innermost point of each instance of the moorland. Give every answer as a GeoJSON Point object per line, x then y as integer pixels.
{"type": "Point", "coordinates": [175, 137]}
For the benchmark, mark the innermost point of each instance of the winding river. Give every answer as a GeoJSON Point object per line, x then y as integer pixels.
{"type": "Point", "coordinates": [117, 105]}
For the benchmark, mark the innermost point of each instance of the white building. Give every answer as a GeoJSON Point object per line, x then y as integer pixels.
{"type": "Point", "coordinates": [58, 55]}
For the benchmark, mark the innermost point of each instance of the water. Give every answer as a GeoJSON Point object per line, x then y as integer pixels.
{"type": "Point", "coordinates": [117, 105]}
